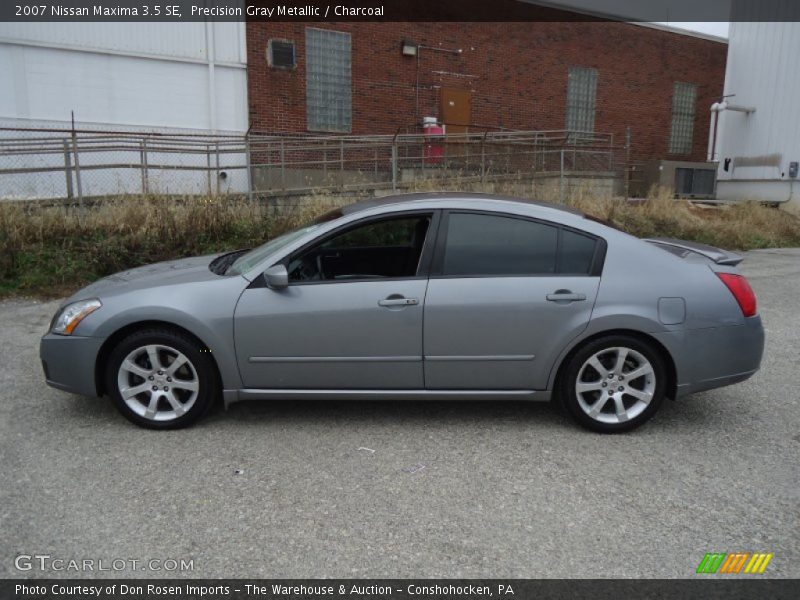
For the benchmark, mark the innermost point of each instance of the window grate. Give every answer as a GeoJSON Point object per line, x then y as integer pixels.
{"type": "Point", "coordinates": [328, 80]}
{"type": "Point", "coordinates": [281, 54]}
{"type": "Point", "coordinates": [581, 98]}
{"type": "Point", "coordinates": [684, 98]}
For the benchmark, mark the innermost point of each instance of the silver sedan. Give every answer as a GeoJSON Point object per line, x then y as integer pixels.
{"type": "Point", "coordinates": [425, 296]}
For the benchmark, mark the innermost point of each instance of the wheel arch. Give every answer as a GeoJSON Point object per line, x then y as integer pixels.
{"type": "Point", "coordinates": [101, 362]}
{"type": "Point", "coordinates": [672, 376]}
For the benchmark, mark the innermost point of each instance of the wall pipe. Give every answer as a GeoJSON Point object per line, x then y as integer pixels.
{"type": "Point", "coordinates": [713, 125]}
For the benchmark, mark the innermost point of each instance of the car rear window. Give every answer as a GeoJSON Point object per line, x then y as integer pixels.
{"type": "Point", "coordinates": [479, 244]}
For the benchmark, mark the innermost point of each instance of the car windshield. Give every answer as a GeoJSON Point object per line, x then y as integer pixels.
{"type": "Point", "coordinates": [250, 259]}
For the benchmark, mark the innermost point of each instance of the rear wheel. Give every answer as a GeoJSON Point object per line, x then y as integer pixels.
{"type": "Point", "coordinates": [160, 379]}
{"type": "Point", "coordinates": [614, 384]}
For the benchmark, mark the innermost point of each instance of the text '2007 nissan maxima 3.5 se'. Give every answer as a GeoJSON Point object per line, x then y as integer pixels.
{"type": "Point", "coordinates": [423, 296]}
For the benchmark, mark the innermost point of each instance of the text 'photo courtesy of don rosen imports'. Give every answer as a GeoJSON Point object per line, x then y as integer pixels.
{"type": "Point", "coordinates": [310, 590]}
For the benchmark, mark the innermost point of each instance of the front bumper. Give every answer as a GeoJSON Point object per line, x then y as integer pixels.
{"type": "Point", "coordinates": [715, 357]}
{"type": "Point", "coordinates": [69, 362]}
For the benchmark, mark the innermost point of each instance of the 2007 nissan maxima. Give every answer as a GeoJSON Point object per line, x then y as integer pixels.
{"type": "Point", "coordinates": [421, 296]}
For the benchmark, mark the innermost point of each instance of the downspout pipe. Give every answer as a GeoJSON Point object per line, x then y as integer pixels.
{"type": "Point", "coordinates": [713, 125]}
{"type": "Point", "coordinates": [712, 132]}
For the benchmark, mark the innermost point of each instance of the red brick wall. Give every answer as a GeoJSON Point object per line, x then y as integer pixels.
{"type": "Point", "coordinates": [521, 81]}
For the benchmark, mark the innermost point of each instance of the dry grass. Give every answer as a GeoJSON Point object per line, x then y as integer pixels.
{"type": "Point", "coordinates": [742, 226]}
{"type": "Point", "coordinates": [51, 250]}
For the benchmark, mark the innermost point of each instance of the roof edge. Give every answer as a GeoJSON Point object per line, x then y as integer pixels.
{"type": "Point", "coordinates": [679, 31]}
{"type": "Point", "coordinates": [399, 199]}
{"type": "Point", "coordinates": [621, 19]}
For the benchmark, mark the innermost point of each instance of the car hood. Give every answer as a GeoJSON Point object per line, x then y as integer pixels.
{"type": "Point", "coordinates": [171, 272]}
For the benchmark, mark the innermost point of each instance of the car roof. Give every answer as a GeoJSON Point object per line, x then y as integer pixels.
{"type": "Point", "coordinates": [443, 197]}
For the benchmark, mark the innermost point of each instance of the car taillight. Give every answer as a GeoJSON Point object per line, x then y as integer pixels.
{"type": "Point", "coordinates": [742, 291]}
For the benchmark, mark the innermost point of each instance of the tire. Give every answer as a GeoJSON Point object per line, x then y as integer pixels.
{"type": "Point", "coordinates": [603, 398]}
{"type": "Point", "coordinates": [177, 392]}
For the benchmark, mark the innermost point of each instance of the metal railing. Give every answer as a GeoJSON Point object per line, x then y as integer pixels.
{"type": "Point", "coordinates": [78, 164]}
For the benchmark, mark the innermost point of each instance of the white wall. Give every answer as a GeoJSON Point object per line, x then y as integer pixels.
{"type": "Point", "coordinates": [163, 77]}
{"type": "Point", "coordinates": [153, 76]}
{"type": "Point", "coordinates": [762, 72]}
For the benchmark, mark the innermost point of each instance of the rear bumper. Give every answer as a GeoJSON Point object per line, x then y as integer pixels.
{"type": "Point", "coordinates": [69, 362]}
{"type": "Point", "coordinates": [715, 357]}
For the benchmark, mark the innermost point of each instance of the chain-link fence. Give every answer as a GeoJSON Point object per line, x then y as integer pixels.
{"type": "Point", "coordinates": [73, 164]}
{"type": "Point", "coordinates": [36, 164]}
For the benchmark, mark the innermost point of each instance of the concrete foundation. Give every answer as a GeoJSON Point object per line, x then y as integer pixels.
{"type": "Point", "coordinates": [786, 192]}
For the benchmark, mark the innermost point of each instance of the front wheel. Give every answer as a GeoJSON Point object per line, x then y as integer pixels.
{"type": "Point", "coordinates": [614, 384]}
{"type": "Point", "coordinates": [161, 379]}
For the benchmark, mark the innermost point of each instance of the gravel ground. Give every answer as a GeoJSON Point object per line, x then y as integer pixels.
{"type": "Point", "coordinates": [507, 489]}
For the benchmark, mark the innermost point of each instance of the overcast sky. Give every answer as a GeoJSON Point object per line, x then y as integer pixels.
{"type": "Point", "coordinates": [719, 29]}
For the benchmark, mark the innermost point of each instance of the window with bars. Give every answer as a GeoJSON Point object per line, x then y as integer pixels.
{"type": "Point", "coordinates": [581, 95]}
{"type": "Point", "coordinates": [684, 98]}
{"type": "Point", "coordinates": [328, 80]}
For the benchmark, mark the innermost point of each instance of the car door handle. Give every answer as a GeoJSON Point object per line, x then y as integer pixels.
{"type": "Point", "coordinates": [395, 301]}
{"type": "Point", "coordinates": [565, 296]}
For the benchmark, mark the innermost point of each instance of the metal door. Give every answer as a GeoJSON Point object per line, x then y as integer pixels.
{"type": "Point", "coordinates": [456, 110]}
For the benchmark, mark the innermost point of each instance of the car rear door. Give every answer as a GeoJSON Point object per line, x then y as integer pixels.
{"type": "Point", "coordinates": [505, 296]}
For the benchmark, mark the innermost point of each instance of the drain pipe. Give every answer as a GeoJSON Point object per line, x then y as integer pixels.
{"type": "Point", "coordinates": [713, 126]}
{"type": "Point", "coordinates": [712, 132]}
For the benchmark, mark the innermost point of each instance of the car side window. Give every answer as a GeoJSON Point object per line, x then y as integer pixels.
{"type": "Point", "coordinates": [480, 244]}
{"type": "Point", "coordinates": [375, 250]}
{"type": "Point", "coordinates": [576, 253]}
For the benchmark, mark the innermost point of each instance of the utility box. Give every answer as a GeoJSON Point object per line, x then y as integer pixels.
{"type": "Point", "coordinates": [686, 179]}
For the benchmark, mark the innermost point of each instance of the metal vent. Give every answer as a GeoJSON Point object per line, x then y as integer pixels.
{"type": "Point", "coordinates": [694, 183]}
{"type": "Point", "coordinates": [281, 54]}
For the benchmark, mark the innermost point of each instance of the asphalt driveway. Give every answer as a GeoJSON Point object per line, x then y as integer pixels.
{"type": "Point", "coordinates": [349, 489]}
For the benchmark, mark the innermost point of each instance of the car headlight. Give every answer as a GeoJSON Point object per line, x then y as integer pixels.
{"type": "Point", "coordinates": [68, 318]}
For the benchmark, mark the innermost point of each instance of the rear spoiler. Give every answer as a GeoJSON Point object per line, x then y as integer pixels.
{"type": "Point", "coordinates": [719, 256]}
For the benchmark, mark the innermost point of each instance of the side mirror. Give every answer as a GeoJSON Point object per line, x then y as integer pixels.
{"type": "Point", "coordinates": [277, 277]}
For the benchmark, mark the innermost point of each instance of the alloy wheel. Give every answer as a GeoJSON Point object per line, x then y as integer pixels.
{"type": "Point", "coordinates": [158, 382]}
{"type": "Point", "coordinates": [615, 385]}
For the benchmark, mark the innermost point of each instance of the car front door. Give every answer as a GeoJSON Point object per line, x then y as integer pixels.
{"type": "Point", "coordinates": [506, 294]}
{"type": "Point", "coordinates": [351, 317]}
